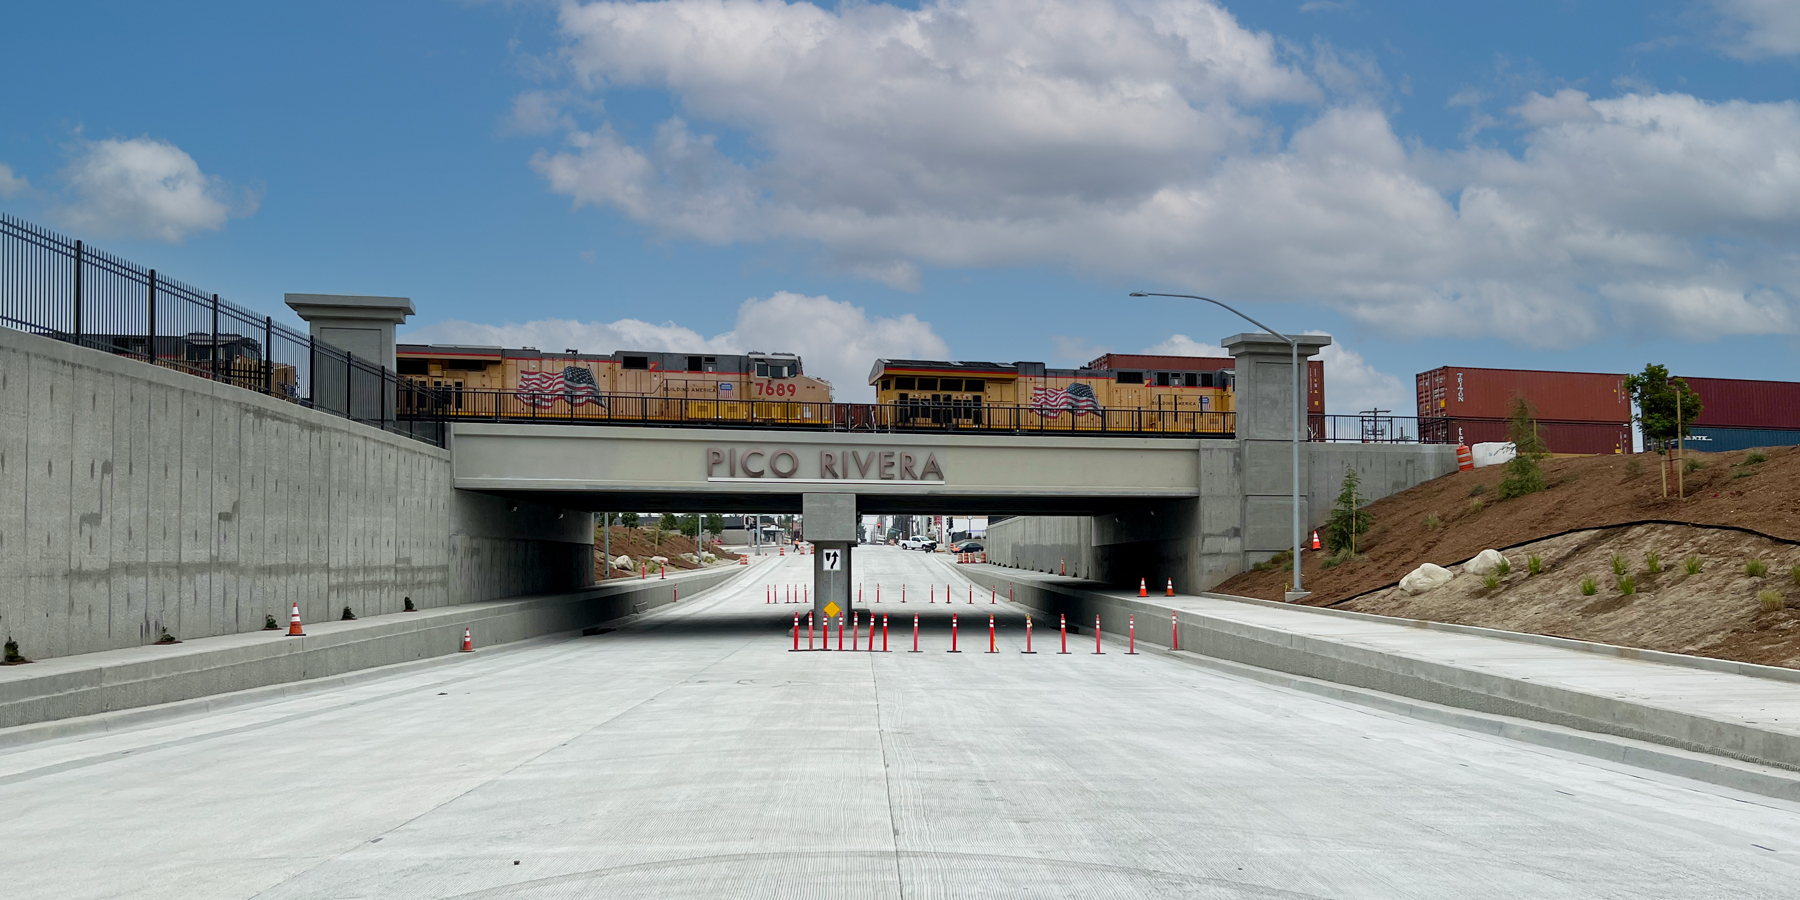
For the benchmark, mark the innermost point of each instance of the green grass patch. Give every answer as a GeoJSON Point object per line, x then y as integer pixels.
{"type": "Point", "coordinates": [1756, 568]}
{"type": "Point", "coordinates": [1653, 562]}
{"type": "Point", "coordinates": [1691, 565]}
{"type": "Point", "coordinates": [1534, 564]}
{"type": "Point", "coordinates": [1589, 587]}
{"type": "Point", "coordinates": [1770, 600]}
{"type": "Point", "coordinates": [1627, 584]}
{"type": "Point", "coordinates": [1619, 565]}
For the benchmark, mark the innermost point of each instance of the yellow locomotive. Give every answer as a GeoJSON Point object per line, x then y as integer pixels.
{"type": "Point", "coordinates": [625, 386]}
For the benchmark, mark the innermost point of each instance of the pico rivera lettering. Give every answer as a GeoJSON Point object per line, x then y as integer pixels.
{"type": "Point", "coordinates": [835, 465]}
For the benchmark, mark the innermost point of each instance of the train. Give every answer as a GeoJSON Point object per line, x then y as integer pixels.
{"type": "Point", "coordinates": [1115, 392]}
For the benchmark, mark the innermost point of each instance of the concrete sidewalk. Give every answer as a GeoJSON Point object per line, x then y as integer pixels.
{"type": "Point", "coordinates": [88, 684]}
{"type": "Point", "coordinates": [1738, 710]}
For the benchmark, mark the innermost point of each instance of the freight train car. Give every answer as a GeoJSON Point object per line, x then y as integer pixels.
{"type": "Point", "coordinates": [1577, 412]}
{"type": "Point", "coordinates": [1116, 392]}
{"type": "Point", "coordinates": [628, 385]}
{"type": "Point", "coordinates": [1737, 414]}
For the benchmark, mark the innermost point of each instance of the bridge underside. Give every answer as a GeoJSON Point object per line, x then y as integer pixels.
{"type": "Point", "coordinates": [866, 504]}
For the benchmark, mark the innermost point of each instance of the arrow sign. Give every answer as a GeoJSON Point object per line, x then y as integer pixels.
{"type": "Point", "coordinates": [833, 560]}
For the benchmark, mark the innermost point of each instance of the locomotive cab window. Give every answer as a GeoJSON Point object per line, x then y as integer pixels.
{"type": "Point", "coordinates": [1130, 378]}
{"type": "Point", "coordinates": [906, 383]}
{"type": "Point", "coordinates": [950, 384]}
{"type": "Point", "coordinates": [928, 384]}
{"type": "Point", "coordinates": [885, 382]}
{"type": "Point", "coordinates": [412, 367]}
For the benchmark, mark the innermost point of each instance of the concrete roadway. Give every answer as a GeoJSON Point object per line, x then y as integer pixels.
{"type": "Point", "coordinates": [692, 755]}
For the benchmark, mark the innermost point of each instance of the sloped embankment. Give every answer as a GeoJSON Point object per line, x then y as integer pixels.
{"type": "Point", "coordinates": [1448, 520]}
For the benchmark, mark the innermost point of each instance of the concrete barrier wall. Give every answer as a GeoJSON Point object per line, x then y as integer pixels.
{"type": "Point", "coordinates": [134, 499]}
{"type": "Point", "coordinates": [127, 679]}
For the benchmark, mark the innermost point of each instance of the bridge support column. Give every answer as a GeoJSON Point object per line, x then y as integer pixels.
{"type": "Point", "coordinates": [831, 529]}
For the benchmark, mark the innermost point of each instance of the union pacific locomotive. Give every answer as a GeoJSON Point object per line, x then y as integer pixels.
{"type": "Point", "coordinates": [1116, 392]}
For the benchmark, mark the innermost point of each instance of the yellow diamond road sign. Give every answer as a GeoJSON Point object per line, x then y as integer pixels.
{"type": "Point", "coordinates": [831, 609]}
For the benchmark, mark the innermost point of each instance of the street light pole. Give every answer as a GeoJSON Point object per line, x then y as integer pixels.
{"type": "Point", "coordinates": [1299, 418]}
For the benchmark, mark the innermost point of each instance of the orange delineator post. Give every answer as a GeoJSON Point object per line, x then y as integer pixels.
{"type": "Point", "coordinates": [1132, 645]}
{"type": "Point", "coordinates": [953, 635]}
{"type": "Point", "coordinates": [1097, 650]}
{"type": "Point", "coordinates": [884, 626]}
{"type": "Point", "coordinates": [915, 648]}
{"type": "Point", "coordinates": [796, 631]}
{"type": "Point", "coordinates": [1028, 637]}
{"type": "Point", "coordinates": [809, 630]}
{"type": "Point", "coordinates": [1174, 632]}
{"type": "Point", "coordinates": [1062, 623]}
{"type": "Point", "coordinates": [991, 648]}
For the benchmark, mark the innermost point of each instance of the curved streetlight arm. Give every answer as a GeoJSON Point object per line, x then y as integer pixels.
{"type": "Point", "coordinates": [1299, 418]}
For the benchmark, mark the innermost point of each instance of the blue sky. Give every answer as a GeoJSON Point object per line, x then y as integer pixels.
{"type": "Point", "coordinates": [1539, 184]}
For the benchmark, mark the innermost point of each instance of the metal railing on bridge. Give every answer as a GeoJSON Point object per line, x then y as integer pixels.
{"type": "Point", "coordinates": [61, 288]}
{"type": "Point", "coordinates": [572, 408]}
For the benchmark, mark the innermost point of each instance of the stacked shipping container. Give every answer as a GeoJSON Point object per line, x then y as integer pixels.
{"type": "Point", "coordinates": [1737, 414]}
{"type": "Point", "coordinates": [1577, 412]}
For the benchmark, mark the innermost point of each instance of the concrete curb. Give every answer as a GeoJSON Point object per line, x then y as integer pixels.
{"type": "Point", "coordinates": [93, 684]}
{"type": "Point", "coordinates": [1426, 680]}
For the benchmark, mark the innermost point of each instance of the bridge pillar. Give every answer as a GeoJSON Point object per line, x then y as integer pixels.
{"type": "Point", "coordinates": [1265, 430]}
{"type": "Point", "coordinates": [831, 529]}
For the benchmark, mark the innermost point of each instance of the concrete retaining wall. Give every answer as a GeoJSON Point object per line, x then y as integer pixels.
{"type": "Point", "coordinates": [1241, 516]}
{"type": "Point", "coordinates": [143, 676]}
{"type": "Point", "coordinates": [134, 499]}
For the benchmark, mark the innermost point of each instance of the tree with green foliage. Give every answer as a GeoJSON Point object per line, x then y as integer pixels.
{"type": "Point", "coordinates": [1348, 518]}
{"type": "Point", "coordinates": [629, 520]}
{"type": "Point", "coordinates": [689, 525]}
{"type": "Point", "coordinates": [715, 525]}
{"type": "Point", "coordinates": [1657, 398]}
{"type": "Point", "coordinates": [1523, 474]}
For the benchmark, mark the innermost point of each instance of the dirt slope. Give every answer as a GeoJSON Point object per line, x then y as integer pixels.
{"type": "Point", "coordinates": [640, 545]}
{"type": "Point", "coordinates": [1585, 493]}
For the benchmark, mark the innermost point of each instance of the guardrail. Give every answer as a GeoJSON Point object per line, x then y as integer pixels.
{"type": "Point", "coordinates": [587, 408]}
{"type": "Point", "coordinates": [61, 288]}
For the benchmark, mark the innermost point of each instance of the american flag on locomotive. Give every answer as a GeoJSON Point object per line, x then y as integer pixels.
{"type": "Point", "coordinates": [1078, 398]}
{"type": "Point", "coordinates": [575, 384]}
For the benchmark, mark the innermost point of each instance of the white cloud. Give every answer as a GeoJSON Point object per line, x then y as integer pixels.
{"type": "Point", "coordinates": [837, 341]}
{"type": "Point", "coordinates": [144, 187]}
{"type": "Point", "coordinates": [1352, 385]}
{"type": "Point", "coordinates": [1757, 29]}
{"type": "Point", "coordinates": [12, 185]}
{"type": "Point", "coordinates": [1133, 138]}
{"type": "Point", "coordinates": [1182, 345]}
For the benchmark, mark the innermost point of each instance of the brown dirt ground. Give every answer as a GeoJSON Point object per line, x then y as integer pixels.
{"type": "Point", "coordinates": [638, 544]}
{"type": "Point", "coordinates": [1585, 493]}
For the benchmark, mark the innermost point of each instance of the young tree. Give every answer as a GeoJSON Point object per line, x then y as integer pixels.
{"type": "Point", "coordinates": [1655, 395]}
{"type": "Point", "coordinates": [715, 525]}
{"type": "Point", "coordinates": [690, 525]}
{"type": "Point", "coordinates": [1523, 474]}
{"type": "Point", "coordinates": [629, 520]}
{"type": "Point", "coordinates": [1348, 518]}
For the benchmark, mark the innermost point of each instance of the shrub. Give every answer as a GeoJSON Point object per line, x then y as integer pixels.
{"type": "Point", "coordinates": [1432, 522]}
{"type": "Point", "coordinates": [1589, 587]}
{"type": "Point", "coordinates": [1754, 457]}
{"type": "Point", "coordinates": [1475, 505]}
{"type": "Point", "coordinates": [1504, 568]}
{"type": "Point", "coordinates": [1634, 467]}
{"type": "Point", "coordinates": [1694, 465]}
{"type": "Point", "coordinates": [1490, 581]}
{"type": "Point", "coordinates": [1653, 562]}
{"type": "Point", "coordinates": [1523, 474]}
{"type": "Point", "coordinates": [1534, 564]}
{"type": "Point", "coordinates": [1770, 600]}
{"type": "Point", "coordinates": [1742, 473]}
{"type": "Point", "coordinates": [1619, 566]}
{"type": "Point", "coordinates": [1277, 562]}
{"type": "Point", "coordinates": [12, 653]}
{"type": "Point", "coordinates": [1756, 568]}
{"type": "Point", "coordinates": [1691, 565]}
{"type": "Point", "coordinates": [1348, 519]}
{"type": "Point", "coordinates": [1627, 584]}
{"type": "Point", "coordinates": [1478, 490]}
{"type": "Point", "coordinates": [1338, 559]}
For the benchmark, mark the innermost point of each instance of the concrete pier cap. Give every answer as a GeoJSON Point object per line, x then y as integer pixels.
{"type": "Point", "coordinates": [363, 325]}
{"type": "Point", "coordinates": [1265, 381]}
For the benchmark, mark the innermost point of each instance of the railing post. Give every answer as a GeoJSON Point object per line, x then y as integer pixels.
{"type": "Point", "coordinates": [269, 355]}
{"type": "Point", "coordinates": [77, 323]}
{"type": "Point", "coordinates": [215, 339]}
{"type": "Point", "coordinates": [150, 319]}
{"type": "Point", "coordinates": [349, 376]}
{"type": "Point", "coordinates": [384, 396]}
{"type": "Point", "coordinates": [312, 371]}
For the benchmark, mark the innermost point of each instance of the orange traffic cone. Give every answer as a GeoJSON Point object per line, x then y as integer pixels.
{"type": "Point", "coordinates": [468, 642]}
{"type": "Point", "coordinates": [1142, 592]}
{"type": "Point", "coordinates": [294, 623]}
{"type": "Point", "coordinates": [743, 560]}
{"type": "Point", "coordinates": [1315, 540]}
{"type": "Point", "coordinates": [1171, 592]}
{"type": "Point", "coordinates": [782, 551]}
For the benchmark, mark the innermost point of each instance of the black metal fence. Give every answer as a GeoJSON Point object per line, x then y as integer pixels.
{"type": "Point", "coordinates": [586, 408]}
{"type": "Point", "coordinates": [61, 288]}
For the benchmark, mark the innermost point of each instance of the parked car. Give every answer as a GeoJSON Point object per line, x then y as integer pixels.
{"type": "Point", "coordinates": [912, 544]}
{"type": "Point", "coordinates": [969, 547]}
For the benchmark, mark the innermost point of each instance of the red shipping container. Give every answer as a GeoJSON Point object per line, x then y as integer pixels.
{"type": "Point", "coordinates": [1457, 392]}
{"type": "Point", "coordinates": [1560, 437]}
{"type": "Point", "coordinates": [1739, 403]}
